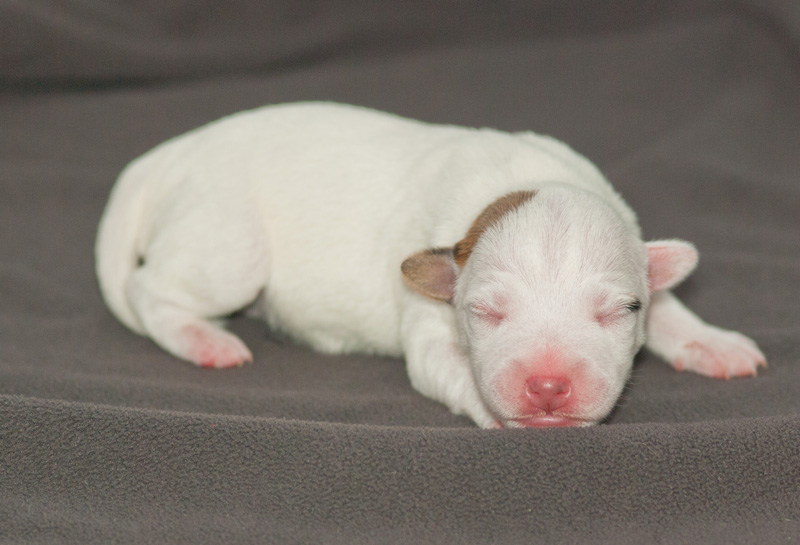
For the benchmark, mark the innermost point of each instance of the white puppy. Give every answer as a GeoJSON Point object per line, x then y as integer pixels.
{"type": "Point", "coordinates": [503, 266]}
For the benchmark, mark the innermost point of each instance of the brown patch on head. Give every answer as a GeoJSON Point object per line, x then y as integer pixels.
{"type": "Point", "coordinates": [490, 216]}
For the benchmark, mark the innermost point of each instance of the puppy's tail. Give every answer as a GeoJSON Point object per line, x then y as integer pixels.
{"type": "Point", "coordinates": [116, 255]}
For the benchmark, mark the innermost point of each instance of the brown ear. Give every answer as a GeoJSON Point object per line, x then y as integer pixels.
{"type": "Point", "coordinates": [431, 273]}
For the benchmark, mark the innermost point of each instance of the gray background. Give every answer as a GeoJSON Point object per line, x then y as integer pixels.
{"type": "Point", "coordinates": [690, 107]}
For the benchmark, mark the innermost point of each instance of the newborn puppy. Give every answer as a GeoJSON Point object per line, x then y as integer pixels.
{"type": "Point", "coordinates": [503, 267]}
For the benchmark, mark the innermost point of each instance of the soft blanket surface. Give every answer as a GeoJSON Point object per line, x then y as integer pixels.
{"type": "Point", "coordinates": [690, 107]}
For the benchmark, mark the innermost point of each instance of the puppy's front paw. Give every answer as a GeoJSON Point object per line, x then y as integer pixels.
{"type": "Point", "coordinates": [485, 420]}
{"type": "Point", "coordinates": [470, 404]}
{"type": "Point", "coordinates": [719, 353]}
{"type": "Point", "coordinates": [476, 409]}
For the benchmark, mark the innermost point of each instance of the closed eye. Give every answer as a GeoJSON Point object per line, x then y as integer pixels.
{"type": "Point", "coordinates": [487, 314]}
{"type": "Point", "coordinates": [610, 316]}
{"type": "Point", "coordinates": [634, 306]}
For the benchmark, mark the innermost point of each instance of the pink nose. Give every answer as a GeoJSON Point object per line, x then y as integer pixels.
{"type": "Point", "coordinates": [548, 393]}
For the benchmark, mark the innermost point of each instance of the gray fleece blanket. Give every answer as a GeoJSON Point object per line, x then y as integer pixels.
{"type": "Point", "coordinates": [692, 108]}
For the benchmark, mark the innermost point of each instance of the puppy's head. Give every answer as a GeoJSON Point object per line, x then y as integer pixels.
{"type": "Point", "coordinates": [550, 290]}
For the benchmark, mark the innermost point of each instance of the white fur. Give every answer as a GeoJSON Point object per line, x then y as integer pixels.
{"type": "Point", "coordinates": [309, 209]}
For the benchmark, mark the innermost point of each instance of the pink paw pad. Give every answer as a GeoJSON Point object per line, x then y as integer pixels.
{"type": "Point", "coordinates": [210, 347]}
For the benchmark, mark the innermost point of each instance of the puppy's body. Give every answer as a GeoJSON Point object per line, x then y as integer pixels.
{"type": "Point", "coordinates": [530, 316]}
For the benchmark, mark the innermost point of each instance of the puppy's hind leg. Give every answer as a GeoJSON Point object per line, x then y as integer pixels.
{"type": "Point", "coordinates": [187, 283]}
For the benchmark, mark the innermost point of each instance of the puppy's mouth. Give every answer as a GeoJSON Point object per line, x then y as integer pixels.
{"type": "Point", "coordinates": [548, 420]}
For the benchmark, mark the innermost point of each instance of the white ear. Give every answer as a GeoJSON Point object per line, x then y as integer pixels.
{"type": "Point", "coordinates": [431, 273]}
{"type": "Point", "coordinates": [669, 262]}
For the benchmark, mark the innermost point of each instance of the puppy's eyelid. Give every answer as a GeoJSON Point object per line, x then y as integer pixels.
{"type": "Point", "coordinates": [487, 313]}
{"type": "Point", "coordinates": [618, 312]}
{"type": "Point", "coordinates": [634, 306]}
{"type": "Point", "coordinates": [479, 308]}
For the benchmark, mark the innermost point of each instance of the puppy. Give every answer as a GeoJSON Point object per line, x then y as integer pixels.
{"type": "Point", "coordinates": [503, 267]}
